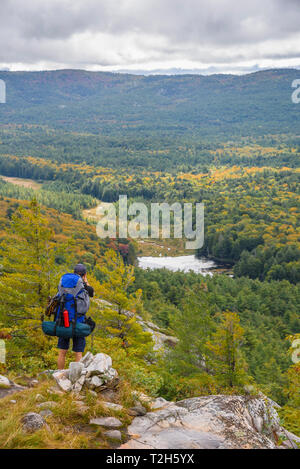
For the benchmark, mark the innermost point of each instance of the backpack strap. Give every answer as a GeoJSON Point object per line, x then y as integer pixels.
{"type": "Point", "coordinates": [61, 308]}
{"type": "Point", "coordinates": [74, 322]}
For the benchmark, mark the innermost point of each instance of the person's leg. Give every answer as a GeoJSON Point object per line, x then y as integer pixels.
{"type": "Point", "coordinates": [61, 359]}
{"type": "Point", "coordinates": [78, 347]}
{"type": "Point", "coordinates": [78, 356]}
{"type": "Point", "coordinates": [63, 345]}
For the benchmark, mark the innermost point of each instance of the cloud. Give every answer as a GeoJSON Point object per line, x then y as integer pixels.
{"type": "Point", "coordinates": [112, 34]}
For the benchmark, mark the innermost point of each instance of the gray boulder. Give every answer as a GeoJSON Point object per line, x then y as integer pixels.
{"type": "Point", "coordinates": [79, 384]}
{"type": "Point", "coordinates": [47, 405]}
{"type": "Point", "coordinates": [112, 406]}
{"type": "Point", "coordinates": [62, 380]}
{"type": "Point", "coordinates": [46, 413]}
{"type": "Point", "coordinates": [75, 371]}
{"type": "Point", "coordinates": [110, 422]}
{"type": "Point", "coordinates": [4, 382]}
{"type": "Point", "coordinates": [32, 422]}
{"type": "Point", "coordinates": [100, 365]}
{"type": "Point", "coordinates": [137, 410]}
{"type": "Point", "coordinates": [114, 435]}
{"type": "Point", "coordinates": [87, 359]}
{"type": "Point", "coordinates": [96, 382]}
{"type": "Point", "coordinates": [159, 403]}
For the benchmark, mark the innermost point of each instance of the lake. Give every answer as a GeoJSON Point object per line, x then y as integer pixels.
{"type": "Point", "coordinates": [184, 263]}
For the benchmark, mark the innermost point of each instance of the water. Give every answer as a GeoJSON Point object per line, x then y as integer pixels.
{"type": "Point", "coordinates": [184, 263]}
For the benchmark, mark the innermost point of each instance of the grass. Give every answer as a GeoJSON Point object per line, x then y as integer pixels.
{"type": "Point", "coordinates": [67, 428]}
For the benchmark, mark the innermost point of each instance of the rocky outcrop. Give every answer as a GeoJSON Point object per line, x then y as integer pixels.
{"type": "Point", "coordinates": [160, 339]}
{"type": "Point", "coordinates": [94, 372]}
{"type": "Point", "coordinates": [213, 422]}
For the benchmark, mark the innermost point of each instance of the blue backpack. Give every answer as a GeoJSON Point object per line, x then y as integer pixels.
{"type": "Point", "coordinates": [72, 298]}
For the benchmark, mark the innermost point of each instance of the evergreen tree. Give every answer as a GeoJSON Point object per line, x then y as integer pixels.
{"type": "Point", "coordinates": [291, 411]}
{"type": "Point", "coordinates": [228, 362]}
{"type": "Point", "coordinates": [192, 325]}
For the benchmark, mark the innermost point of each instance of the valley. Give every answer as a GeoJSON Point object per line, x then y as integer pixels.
{"type": "Point", "coordinates": [73, 140]}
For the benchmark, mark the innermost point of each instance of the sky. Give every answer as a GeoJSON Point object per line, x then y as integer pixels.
{"type": "Point", "coordinates": [150, 36]}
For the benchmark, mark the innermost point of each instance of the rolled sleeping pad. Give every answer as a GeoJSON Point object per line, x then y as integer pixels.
{"type": "Point", "coordinates": [81, 330]}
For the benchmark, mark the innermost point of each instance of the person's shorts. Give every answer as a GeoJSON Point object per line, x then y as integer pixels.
{"type": "Point", "coordinates": [78, 344]}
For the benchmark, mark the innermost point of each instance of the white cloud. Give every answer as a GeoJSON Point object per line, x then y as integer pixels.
{"type": "Point", "coordinates": [226, 35]}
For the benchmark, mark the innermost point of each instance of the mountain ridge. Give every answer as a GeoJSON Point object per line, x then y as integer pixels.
{"type": "Point", "coordinates": [259, 102]}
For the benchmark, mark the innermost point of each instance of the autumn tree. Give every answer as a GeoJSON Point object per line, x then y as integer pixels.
{"type": "Point", "coordinates": [30, 275]}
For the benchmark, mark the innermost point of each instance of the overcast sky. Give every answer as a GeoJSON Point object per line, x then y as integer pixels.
{"type": "Point", "coordinates": [207, 35]}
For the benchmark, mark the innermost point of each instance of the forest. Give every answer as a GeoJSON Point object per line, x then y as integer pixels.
{"type": "Point", "coordinates": [85, 138]}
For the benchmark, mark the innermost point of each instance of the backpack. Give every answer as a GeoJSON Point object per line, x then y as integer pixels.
{"type": "Point", "coordinates": [72, 298]}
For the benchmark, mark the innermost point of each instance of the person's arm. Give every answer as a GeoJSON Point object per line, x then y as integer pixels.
{"type": "Point", "coordinates": [88, 287]}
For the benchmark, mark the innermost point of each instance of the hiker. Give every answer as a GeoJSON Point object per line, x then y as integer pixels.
{"type": "Point", "coordinates": [83, 296]}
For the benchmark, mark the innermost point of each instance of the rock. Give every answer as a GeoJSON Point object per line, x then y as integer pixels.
{"type": "Point", "coordinates": [87, 359]}
{"type": "Point", "coordinates": [161, 341]}
{"type": "Point", "coordinates": [88, 383]}
{"type": "Point", "coordinates": [13, 401]}
{"type": "Point", "coordinates": [112, 406]}
{"type": "Point", "coordinates": [65, 385]}
{"type": "Point", "coordinates": [75, 371]}
{"type": "Point", "coordinates": [4, 382]}
{"type": "Point", "coordinates": [93, 393]}
{"type": "Point", "coordinates": [290, 441]}
{"type": "Point", "coordinates": [137, 410]}
{"type": "Point", "coordinates": [258, 423]}
{"type": "Point", "coordinates": [82, 407]}
{"type": "Point", "coordinates": [159, 403]}
{"type": "Point", "coordinates": [46, 413]}
{"type": "Point", "coordinates": [93, 372]}
{"type": "Point", "coordinates": [55, 390]}
{"type": "Point", "coordinates": [100, 365]}
{"type": "Point", "coordinates": [96, 382]}
{"type": "Point", "coordinates": [143, 397]}
{"type": "Point", "coordinates": [110, 422]}
{"type": "Point", "coordinates": [114, 435]}
{"type": "Point", "coordinates": [34, 382]}
{"type": "Point", "coordinates": [32, 422]}
{"type": "Point", "coordinates": [47, 405]}
{"type": "Point", "coordinates": [264, 415]}
{"type": "Point", "coordinates": [62, 380]}
{"type": "Point", "coordinates": [39, 398]}
{"type": "Point", "coordinates": [110, 375]}
{"type": "Point", "coordinates": [210, 422]}
{"type": "Point", "coordinates": [79, 384]}
{"type": "Point", "coordinates": [108, 394]}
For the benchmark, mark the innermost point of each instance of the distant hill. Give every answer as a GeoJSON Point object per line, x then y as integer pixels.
{"type": "Point", "coordinates": [111, 103]}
